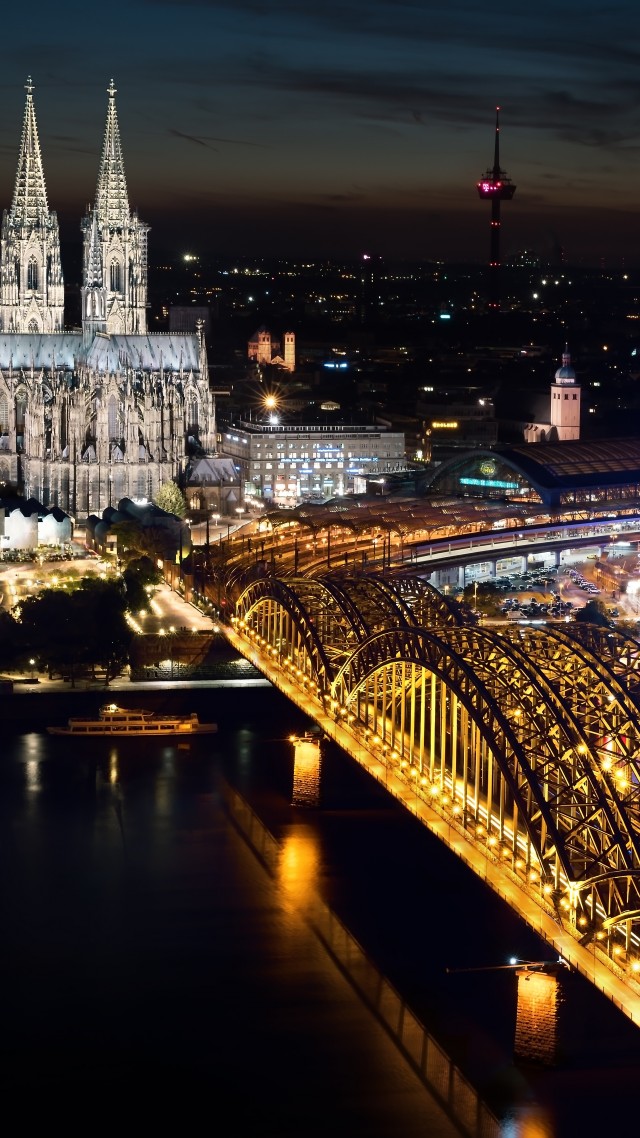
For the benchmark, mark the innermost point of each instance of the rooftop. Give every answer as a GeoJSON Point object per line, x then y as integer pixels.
{"type": "Point", "coordinates": [576, 462]}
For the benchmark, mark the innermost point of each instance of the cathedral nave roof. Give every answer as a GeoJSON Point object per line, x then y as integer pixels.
{"type": "Point", "coordinates": [24, 349]}
{"type": "Point", "coordinates": [147, 353]}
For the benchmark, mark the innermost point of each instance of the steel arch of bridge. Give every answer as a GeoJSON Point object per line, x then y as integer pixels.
{"type": "Point", "coordinates": [530, 739]}
{"type": "Point", "coordinates": [477, 715]}
{"type": "Point", "coordinates": [317, 622]}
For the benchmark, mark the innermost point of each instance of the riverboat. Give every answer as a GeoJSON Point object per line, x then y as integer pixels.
{"type": "Point", "coordinates": [133, 722]}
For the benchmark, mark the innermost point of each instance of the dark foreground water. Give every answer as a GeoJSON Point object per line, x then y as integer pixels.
{"type": "Point", "coordinates": [154, 976]}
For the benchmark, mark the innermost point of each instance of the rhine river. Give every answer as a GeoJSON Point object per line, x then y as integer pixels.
{"type": "Point", "coordinates": [154, 975]}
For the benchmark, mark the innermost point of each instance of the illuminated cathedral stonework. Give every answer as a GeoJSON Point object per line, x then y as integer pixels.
{"type": "Point", "coordinates": [106, 411]}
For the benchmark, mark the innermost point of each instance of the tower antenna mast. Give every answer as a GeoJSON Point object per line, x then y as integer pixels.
{"type": "Point", "coordinates": [495, 187]}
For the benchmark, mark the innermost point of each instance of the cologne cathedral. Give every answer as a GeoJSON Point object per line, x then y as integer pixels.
{"type": "Point", "coordinates": [106, 411]}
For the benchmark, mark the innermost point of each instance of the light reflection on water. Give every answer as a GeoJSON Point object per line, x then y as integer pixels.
{"type": "Point", "coordinates": [33, 754]}
{"type": "Point", "coordinates": [531, 1121]}
{"type": "Point", "coordinates": [298, 866]}
{"type": "Point", "coordinates": [125, 811]}
{"type": "Point", "coordinates": [32, 767]}
{"type": "Point", "coordinates": [113, 765]}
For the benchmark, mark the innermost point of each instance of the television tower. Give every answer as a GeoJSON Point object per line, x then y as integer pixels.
{"type": "Point", "coordinates": [495, 187]}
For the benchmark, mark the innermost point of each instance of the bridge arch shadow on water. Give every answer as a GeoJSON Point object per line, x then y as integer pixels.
{"type": "Point", "coordinates": [526, 741]}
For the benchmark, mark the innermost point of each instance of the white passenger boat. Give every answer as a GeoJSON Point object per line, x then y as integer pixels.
{"type": "Point", "coordinates": [130, 722]}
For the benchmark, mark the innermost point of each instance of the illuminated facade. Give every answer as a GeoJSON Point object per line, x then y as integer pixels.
{"type": "Point", "coordinates": [285, 464]}
{"type": "Point", "coordinates": [25, 525]}
{"type": "Point", "coordinates": [263, 349]}
{"type": "Point", "coordinates": [114, 290]}
{"type": "Point", "coordinates": [107, 411]}
{"type": "Point", "coordinates": [31, 284]}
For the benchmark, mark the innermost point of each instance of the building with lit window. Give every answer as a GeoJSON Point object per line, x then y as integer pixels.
{"type": "Point", "coordinates": [456, 420]}
{"type": "Point", "coordinates": [286, 464]}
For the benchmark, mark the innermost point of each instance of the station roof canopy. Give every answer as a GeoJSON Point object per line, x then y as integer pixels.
{"type": "Point", "coordinates": [577, 462]}
{"type": "Point", "coordinates": [555, 474]}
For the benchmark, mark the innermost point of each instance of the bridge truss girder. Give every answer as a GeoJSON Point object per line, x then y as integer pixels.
{"type": "Point", "coordinates": [475, 720]}
{"type": "Point", "coordinates": [529, 737]}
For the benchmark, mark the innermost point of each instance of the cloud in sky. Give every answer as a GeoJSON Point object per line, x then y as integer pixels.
{"type": "Point", "coordinates": [382, 107]}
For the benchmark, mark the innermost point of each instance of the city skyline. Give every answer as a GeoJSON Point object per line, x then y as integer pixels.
{"type": "Point", "coordinates": [275, 130]}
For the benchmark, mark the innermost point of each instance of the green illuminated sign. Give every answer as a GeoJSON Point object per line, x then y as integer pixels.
{"type": "Point", "coordinates": [494, 483]}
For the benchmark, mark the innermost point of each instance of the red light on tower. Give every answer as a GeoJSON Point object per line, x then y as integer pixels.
{"type": "Point", "coordinates": [496, 186]}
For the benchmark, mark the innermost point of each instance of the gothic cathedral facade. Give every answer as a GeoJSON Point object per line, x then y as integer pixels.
{"type": "Point", "coordinates": [108, 410]}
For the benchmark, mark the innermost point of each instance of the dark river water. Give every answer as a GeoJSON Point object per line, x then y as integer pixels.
{"type": "Point", "coordinates": [152, 974]}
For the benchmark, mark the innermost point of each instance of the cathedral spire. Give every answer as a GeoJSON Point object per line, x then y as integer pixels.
{"type": "Point", "coordinates": [31, 284]}
{"type": "Point", "coordinates": [112, 201]}
{"type": "Point", "coordinates": [115, 247]}
{"type": "Point", "coordinates": [30, 195]}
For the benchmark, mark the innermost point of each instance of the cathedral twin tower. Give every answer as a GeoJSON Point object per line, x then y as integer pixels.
{"type": "Point", "coordinates": [107, 411]}
{"type": "Point", "coordinates": [114, 290]}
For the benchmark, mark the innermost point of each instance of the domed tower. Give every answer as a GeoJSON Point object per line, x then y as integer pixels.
{"type": "Point", "coordinates": [565, 400]}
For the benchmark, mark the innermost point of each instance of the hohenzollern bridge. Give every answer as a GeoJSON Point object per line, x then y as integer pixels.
{"type": "Point", "coordinates": [520, 748]}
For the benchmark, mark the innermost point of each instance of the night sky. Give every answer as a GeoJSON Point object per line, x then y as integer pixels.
{"type": "Point", "coordinates": [266, 128]}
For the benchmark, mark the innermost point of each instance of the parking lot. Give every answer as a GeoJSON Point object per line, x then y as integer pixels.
{"type": "Point", "coordinates": [550, 593]}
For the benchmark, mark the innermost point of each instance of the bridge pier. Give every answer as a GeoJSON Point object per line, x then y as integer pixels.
{"type": "Point", "coordinates": [306, 771]}
{"type": "Point", "coordinates": [540, 998]}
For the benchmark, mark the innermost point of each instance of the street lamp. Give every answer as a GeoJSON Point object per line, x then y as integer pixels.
{"type": "Point", "coordinates": [215, 519]}
{"type": "Point", "coordinates": [32, 664]}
